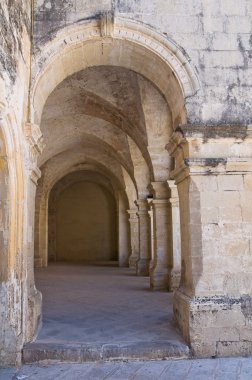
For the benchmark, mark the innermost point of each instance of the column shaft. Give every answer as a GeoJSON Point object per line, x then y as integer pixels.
{"type": "Point", "coordinates": [144, 238]}
{"type": "Point", "coordinates": [134, 238]}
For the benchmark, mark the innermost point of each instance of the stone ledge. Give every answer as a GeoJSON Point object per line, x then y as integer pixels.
{"type": "Point", "coordinates": [79, 353]}
{"type": "Point", "coordinates": [208, 131]}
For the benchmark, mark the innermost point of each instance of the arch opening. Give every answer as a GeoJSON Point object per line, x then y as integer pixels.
{"type": "Point", "coordinates": [82, 220]}
{"type": "Point", "coordinates": [113, 114]}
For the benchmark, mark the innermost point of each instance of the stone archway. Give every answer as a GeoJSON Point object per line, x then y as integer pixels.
{"type": "Point", "coordinates": [96, 127]}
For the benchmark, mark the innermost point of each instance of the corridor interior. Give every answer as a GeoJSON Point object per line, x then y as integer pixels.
{"type": "Point", "coordinates": [105, 129]}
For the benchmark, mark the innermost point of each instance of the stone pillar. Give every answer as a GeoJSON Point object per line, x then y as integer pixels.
{"type": "Point", "coordinates": [213, 171]}
{"type": "Point", "coordinates": [123, 232]}
{"type": "Point", "coordinates": [34, 147]}
{"type": "Point", "coordinates": [134, 238]}
{"type": "Point", "coordinates": [150, 212]}
{"type": "Point", "coordinates": [162, 236]}
{"type": "Point", "coordinates": [142, 267]}
{"type": "Point", "coordinates": [176, 237]}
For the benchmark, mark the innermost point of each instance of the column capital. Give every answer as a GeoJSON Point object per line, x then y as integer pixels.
{"type": "Point", "coordinates": [34, 137]}
{"type": "Point", "coordinates": [133, 218]}
{"type": "Point", "coordinates": [174, 200]}
{"type": "Point", "coordinates": [142, 204]}
{"type": "Point", "coordinates": [132, 211]}
{"type": "Point", "coordinates": [35, 144]}
{"type": "Point", "coordinates": [160, 189]}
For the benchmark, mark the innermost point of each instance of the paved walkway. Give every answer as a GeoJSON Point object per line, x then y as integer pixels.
{"type": "Point", "coordinates": [97, 304]}
{"type": "Point", "coordinates": [207, 369]}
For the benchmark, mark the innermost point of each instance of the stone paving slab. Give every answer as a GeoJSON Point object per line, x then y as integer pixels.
{"type": "Point", "coordinates": [202, 369]}
{"type": "Point", "coordinates": [94, 304]}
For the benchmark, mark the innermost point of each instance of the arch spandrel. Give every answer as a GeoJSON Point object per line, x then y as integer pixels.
{"type": "Point", "coordinates": [132, 45]}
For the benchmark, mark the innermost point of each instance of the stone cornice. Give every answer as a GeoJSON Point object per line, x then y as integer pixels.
{"type": "Point", "coordinates": [214, 131]}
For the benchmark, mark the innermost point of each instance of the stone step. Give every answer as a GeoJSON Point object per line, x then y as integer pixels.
{"type": "Point", "coordinates": [79, 353]}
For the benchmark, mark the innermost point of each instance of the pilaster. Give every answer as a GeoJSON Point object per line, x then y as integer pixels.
{"type": "Point", "coordinates": [176, 236]}
{"type": "Point", "coordinates": [162, 237]}
{"type": "Point", "coordinates": [142, 266]}
{"type": "Point", "coordinates": [33, 148]}
{"type": "Point", "coordinates": [213, 168]}
{"type": "Point", "coordinates": [134, 238]}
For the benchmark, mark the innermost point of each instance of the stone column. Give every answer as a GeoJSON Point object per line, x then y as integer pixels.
{"type": "Point", "coordinates": [162, 249]}
{"type": "Point", "coordinates": [34, 147]}
{"type": "Point", "coordinates": [213, 172]}
{"type": "Point", "coordinates": [150, 212]}
{"type": "Point", "coordinates": [144, 236]}
{"type": "Point", "coordinates": [123, 232]}
{"type": "Point", "coordinates": [176, 236]}
{"type": "Point", "coordinates": [134, 238]}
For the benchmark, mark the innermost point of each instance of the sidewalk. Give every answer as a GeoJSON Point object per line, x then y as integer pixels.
{"type": "Point", "coordinates": [204, 369]}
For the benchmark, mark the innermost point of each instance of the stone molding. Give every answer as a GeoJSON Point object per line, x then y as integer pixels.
{"type": "Point", "coordinates": [213, 131]}
{"type": "Point", "coordinates": [174, 199]}
{"type": "Point", "coordinates": [188, 140]}
{"type": "Point", "coordinates": [34, 139]}
{"type": "Point", "coordinates": [142, 205]}
{"type": "Point", "coordinates": [107, 25]}
{"type": "Point", "coordinates": [160, 190]}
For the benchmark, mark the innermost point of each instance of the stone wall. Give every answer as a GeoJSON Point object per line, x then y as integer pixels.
{"type": "Point", "coordinates": [85, 221]}
{"type": "Point", "coordinates": [196, 53]}
{"type": "Point", "coordinates": [214, 34]}
{"type": "Point", "coordinates": [15, 59]}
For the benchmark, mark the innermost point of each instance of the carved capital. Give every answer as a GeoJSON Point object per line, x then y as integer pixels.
{"type": "Point", "coordinates": [142, 205]}
{"type": "Point", "coordinates": [34, 137]}
{"type": "Point", "coordinates": [35, 174]}
{"type": "Point", "coordinates": [160, 190]}
{"type": "Point", "coordinates": [133, 215]}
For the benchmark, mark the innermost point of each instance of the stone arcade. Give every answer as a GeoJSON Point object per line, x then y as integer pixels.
{"type": "Point", "coordinates": [146, 107]}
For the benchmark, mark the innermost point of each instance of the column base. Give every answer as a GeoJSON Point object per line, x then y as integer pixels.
{"type": "Point", "coordinates": [215, 326]}
{"type": "Point", "coordinates": [133, 262]}
{"type": "Point", "coordinates": [159, 280]}
{"type": "Point", "coordinates": [142, 267]}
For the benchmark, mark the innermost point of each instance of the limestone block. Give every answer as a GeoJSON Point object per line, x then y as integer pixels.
{"type": "Point", "coordinates": [231, 7]}
{"type": "Point", "coordinates": [239, 24]}
{"type": "Point", "coordinates": [234, 348]}
{"type": "Point", "coordinates": [223, 41]}
{"type": "Point", "coordinates": [219, 58]}
{"type": "Point", "coordinates": [214, 324]}
{"type": "Point", "coordinates": [213, 24]}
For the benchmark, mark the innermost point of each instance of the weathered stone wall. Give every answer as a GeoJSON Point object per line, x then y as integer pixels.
{"type": "Point", "coordinates": [15, 21]}
{"type": "Point", "coordinates": [215, 37]}
{"type": "Point", "coordinates": [16, 282]}
{"type": "Point", "coordinates": [214, 34]}
{"type": "Point", "coordinates": [213, 173]}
